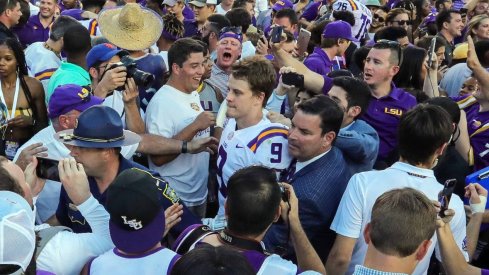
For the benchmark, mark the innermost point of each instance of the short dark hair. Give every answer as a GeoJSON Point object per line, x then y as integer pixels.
{"type": "Point", "coordinates": [396, 55]}
{"type": "Point", "coordinates": [239, 17]}
{"type": "Point", "coordinates": [425, 42]}
{"type": "Point", "coordinates": [358, 92]}
{"type": "Point", "coordinates": [8, 183]}
{"type": "Point", "coordinates": [329, 42]}
{"type": "Point", "coordinates": [181, 50]}
{"type": "Point", "coordinates": [241, 3]}
{"type": "Point", "coordinates": [93, 4]}
{"type": "Point", "coordinates": [448, 105]}
{"type": "Point", "coordinates": [7, 4]}
{"type": "Point", "coordinates": [289, 13]}
{"type": "Point", "coordinates": [76, 40]}
{"type": "Point", "coordinates": [390, 33]}
{"type": "Point", "coordinates": [60, 26]}
{"type": "Point", "coordinates": [206, 259]}
{"type": "Point", "coordinates": [444, 16]}
{"type": "Point", "coordinates": [346, 16]}
{"type": "Point", "coordinates": [327, 109]}
{"type": "Point", "coordinates": [481, 50]}
{"type": "Point", "coordinates": [422, 131]}
{"type": "Point", "coordinates": [258, 189]}
{"type": "Point", "coordinates": [401, 220]}
{"type": "Point", "coordinates": [360, 55]}
{"type": "Point", "coordinates": [205, 47]}
{"type": "Point", "coordinates": [258, 72]}
{"type": "Point", "coordinates": [218, 21]}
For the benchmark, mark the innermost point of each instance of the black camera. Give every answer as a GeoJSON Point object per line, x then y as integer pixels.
{"type": "Point", "coordinates": [141, 78]}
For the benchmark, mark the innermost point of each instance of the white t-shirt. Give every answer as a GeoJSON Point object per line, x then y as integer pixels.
{"type": "Point", "coordinates": [115, 102]}
{"type": "Point", "coordinates": [354, 211]}
{"type": "Point", "coordinates": [111, 262]}
{"type": "Point", "coordinates": [47, 202]}
{"type": "Point", "coordinates": [167, 114]}
{"type": "Point", "coordinates": [220, 10]}
{"type": "Point", "coordinates": [363, 16]}
{"type": "Point", "coordinates": [262, 144]}
{"type": "Point", "coordinates": [67, 252]}
{"type": "Point", "coordinates": [41, 62]}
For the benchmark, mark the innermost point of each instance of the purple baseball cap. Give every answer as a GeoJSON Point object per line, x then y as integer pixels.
{"type": "Point", "coordinates": [338, 29]}
{"type": "Point", "coordinates": [71, 97]}
{"type": "Point", "coordinates": [137, 217]}
{"type": "Point", "coordinates": [101, 53]}
{"type": "Point", "coordinates": [282, 4]}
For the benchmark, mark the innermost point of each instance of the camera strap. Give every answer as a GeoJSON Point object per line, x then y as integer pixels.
{"type": "Point", "coordinates": [241, 243]}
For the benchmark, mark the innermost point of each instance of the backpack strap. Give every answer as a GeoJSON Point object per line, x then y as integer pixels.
{"type": "Point", "coordinates": [46, 235]}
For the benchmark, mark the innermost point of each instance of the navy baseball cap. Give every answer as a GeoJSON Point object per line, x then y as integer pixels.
{"type": "Point", "coordinates": [137, 216]}
{"type": "Point", "coordinates": [101, 53]}
{"type": "Point", "coordinates": [70, 97]}
{"type": "Point", "coordinates": [338, 29]}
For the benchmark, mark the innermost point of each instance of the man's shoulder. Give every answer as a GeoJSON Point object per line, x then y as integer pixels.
{"type": "Point", "coordinates": [362, 126]}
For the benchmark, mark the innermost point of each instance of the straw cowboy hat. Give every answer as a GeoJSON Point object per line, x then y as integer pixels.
{"type": "Point", "coordinates": [130, 27]}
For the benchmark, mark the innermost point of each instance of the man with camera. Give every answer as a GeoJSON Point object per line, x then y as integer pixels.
{"type": "Point", "coordinates": [266, 201]}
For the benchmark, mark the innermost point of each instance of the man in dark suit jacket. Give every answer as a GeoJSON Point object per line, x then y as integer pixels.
{"type": "Point", "coordinates": [9, 16]}
{"type": "Point", "coordinates": [319, 177]}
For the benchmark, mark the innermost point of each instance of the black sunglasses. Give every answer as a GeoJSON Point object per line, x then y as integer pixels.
{"type": "Point", "coordinates": [379, 18]}
{"type": "Point", "coordinates": [389, 44]}
{"type": "Point", "coordinates": [402, 22]}
{"type": "Point", "coordinates": [236, 30]}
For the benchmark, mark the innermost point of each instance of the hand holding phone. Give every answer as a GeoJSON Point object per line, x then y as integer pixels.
{"type": "Point", "coordinates": [431, 52]}
{"type": "Point", "coordinates": [445, 196]}
{"type": "Point", "coordinates": [47, 169]}
{"type": "Point", "coordinates": [293, 79]}
{"type": "Point", "coordinates": [276, 34]}
{"type": "Point", "coordinates": [303, 42]}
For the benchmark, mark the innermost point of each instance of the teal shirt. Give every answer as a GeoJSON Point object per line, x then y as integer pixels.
{"type": "Point", "coordinates": [67, 73]}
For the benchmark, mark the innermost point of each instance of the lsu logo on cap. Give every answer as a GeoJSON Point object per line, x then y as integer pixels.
{"type": "Point", "coordinates": [84, 94]}
{"type": "Point", "coordinates": [132, 223]}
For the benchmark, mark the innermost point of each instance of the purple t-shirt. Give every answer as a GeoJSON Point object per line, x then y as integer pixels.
{"type": "Point", "coordinates": [319, 62]}
{"type": "Point", "coordinates": [484, 271]}
{"type": "Point", "coordinates": [188, 13]}
{"type": "Point", "coordinates": [384, 113]}
{"type": "Point", "coordinates": [478, 128]}
{"type": "Point", "coordinates": [32, 31]}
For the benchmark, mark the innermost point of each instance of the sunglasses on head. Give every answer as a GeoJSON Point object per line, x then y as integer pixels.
{"type": "Point", "coordinates": [402, 22]}
{"type": "Point", "coordinates": [236, 30]}
{"type": "Point", "coordinates": [389, 44]}
{"type": "Point", "coordinates": [379, 18]}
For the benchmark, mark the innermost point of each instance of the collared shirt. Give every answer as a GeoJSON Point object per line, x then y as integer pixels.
{"type": "Point", "coordinates": [301, 165]}
{"type": "Point", "coordinates": [219, 78]}
{"type": "Point", "coordinates": [384, 113]}
{"type": "Point", "coordinates": [68, 214]}
{"type": "Point", "coordinates": [355, 209]}
{"type": "Point", "coordinates": [32, 31]}
{"type": "Point", "coordinates": [319, 62]}
{"type": "Point", "coordinates": [67, 73]}
{"type": "Point", "coordinates": [362, 270]}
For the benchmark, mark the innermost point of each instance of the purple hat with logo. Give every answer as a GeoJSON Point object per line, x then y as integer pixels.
{"type": "Point", "coordinates": [137, 217]}
{"type": "Point", "coordinates": [101, 53]}
{"type": "Point", "coordinates": [69, 97]}
{"type": "Point", "coordinates": [338, 29]}
{"type": "Point", "coordinates": [282, 4]}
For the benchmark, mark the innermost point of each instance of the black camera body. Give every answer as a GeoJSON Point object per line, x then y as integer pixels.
{"type": "Point", "coordinates": [142, 79]}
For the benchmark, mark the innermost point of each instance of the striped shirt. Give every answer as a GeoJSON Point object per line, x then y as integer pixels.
{"type": "Point", "coordinates": [219, 78]}
{"type": "Point", "coordinates": [361, 270]}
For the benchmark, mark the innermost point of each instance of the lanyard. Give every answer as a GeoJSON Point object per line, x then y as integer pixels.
{"type": "Point", "coordinates": [14, 103]}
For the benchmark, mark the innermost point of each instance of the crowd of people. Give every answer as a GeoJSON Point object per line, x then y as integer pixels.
{"type": "Point", "coordinates": [244, 137]}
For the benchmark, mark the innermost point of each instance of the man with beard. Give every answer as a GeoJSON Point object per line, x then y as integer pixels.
{"type": "Point", "coordinates": [228, 51]}
{"type": "Point", "coordinates": [37, 27]}
{"type": "Point", "coordinates": [175, 112]}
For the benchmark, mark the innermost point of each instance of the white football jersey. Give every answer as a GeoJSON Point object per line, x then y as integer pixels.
{"type": "Point", "coordinates": [41, 68]}
{"type": "Point", "coordinates": [262, 144]}
{"type": "Point", "coordinates": [92, 26]}
{"type": "Point", "coordinates": [363, 16]}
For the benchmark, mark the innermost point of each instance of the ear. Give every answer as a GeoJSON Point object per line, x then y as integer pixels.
{"type": "Point", "coordinates": [175, 69]}
{"type": "Point", "coordinates": [93, 72]}
{"type": "Point", "coordinates": [394, 70]}
{"type": "Point", "coordinates": [442, 149]}
{"type": "Point", "coordinates": [260, 98]}
{"type": "Point", "coordinates": [64, 122]}
{"type": "Point", "coordinates": [328, 139]}
{"type": "Point", "coordinates": [277, 213]}
{"type": "Point", "coordinates": [366, 233]}
{"type": "Point", "coordinates": [423, 249]}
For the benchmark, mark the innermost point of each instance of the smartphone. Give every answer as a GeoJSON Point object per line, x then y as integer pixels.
{"type": "Point", "coordinates": [293, 79]}
{"type": "Point", "coordinates": [47, 169]}
{"type": "Point", "coordinates": [303, 41]}
{"type": "Point", "coordinates": [276, 34]}
{"type": "Point", "coordinates": [445, 195]}
{"type": "Point", "coordinates": [431, 52]}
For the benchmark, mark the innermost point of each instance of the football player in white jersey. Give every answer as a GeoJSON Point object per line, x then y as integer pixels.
{"type": "Point", "coordinates": [249, 138]}
{"type": "Point", "coordinates": [363, 16]}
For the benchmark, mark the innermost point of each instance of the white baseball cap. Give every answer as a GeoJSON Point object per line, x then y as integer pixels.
{"type": "Point", "coordinates": [17, 236]}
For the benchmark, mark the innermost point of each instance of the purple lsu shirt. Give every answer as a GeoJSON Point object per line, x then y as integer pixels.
{"type": "Point", "coordinates": [384, 113]}
{"type": "Point", "coordinates": [319, 62]}
{"type": "Point", "coordinates": [478, 128]}
{"type": "Point", "coordinates": [32, 31]}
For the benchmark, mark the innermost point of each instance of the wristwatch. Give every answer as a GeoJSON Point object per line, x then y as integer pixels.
{"type": "Point", "coordinates": [184, 147]}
